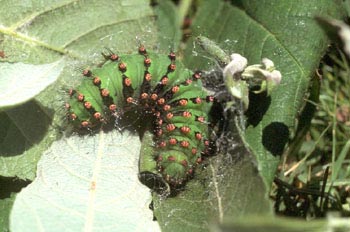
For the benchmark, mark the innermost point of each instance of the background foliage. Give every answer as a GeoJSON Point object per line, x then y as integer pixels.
{"type": "Point", "coordinates": [82, 181]}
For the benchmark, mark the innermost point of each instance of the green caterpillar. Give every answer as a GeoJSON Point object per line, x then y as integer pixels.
{"type": "Point", "coordinates": [154, 86]}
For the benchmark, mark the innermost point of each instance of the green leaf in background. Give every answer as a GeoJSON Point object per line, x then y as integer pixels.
{"type": "Point", "coordinates": [169, 24]}
{"type": "Point", "coordinates": [86, 183]}
{"type": "Point", "coordinates": [286, 33]}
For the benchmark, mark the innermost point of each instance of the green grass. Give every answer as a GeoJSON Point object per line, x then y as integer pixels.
{"type": "Point", "coordinates": [315, 175]}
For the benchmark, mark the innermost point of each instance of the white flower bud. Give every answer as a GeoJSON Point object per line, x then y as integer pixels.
{"type": "Point", "coordinates": [275, 76]}
{"type": "Point", "coordinates": [268, 64]}
{"type": "Point", "coordinates": [236, 65]}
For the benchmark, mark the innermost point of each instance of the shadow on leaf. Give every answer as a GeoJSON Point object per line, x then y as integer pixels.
{"type": "Point", "coordinates": [274, 138]}
{"type": "Point", "coordinates": [258, 105]}
{"type": "Point", "coordinates": [22, 127]}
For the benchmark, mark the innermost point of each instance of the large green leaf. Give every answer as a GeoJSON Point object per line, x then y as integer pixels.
{"type": "Point", "coordinates": [283, 31]}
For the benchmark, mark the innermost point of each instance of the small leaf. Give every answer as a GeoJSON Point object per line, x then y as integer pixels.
{"type": "Point", "coordinates": [21, 82]}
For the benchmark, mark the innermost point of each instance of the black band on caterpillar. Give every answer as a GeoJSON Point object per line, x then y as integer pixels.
{"type": "Point", "coordinates": [152, 85]}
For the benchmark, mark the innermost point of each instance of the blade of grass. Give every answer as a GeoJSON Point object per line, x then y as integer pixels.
{"type": "Point", "coordinates": [334, 131]}
{"type": "Point", "coordinates": [294, 167]}
{"type": "Point", "coordinates": [337, 165]}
